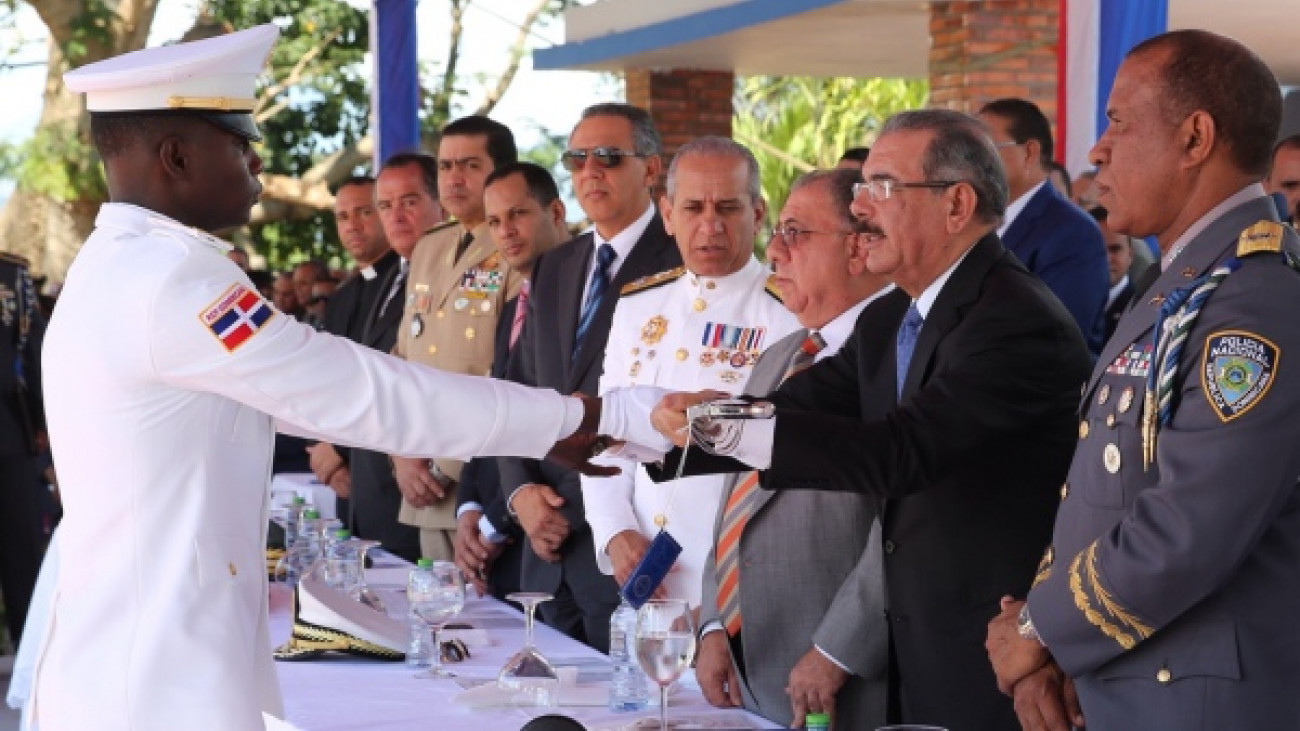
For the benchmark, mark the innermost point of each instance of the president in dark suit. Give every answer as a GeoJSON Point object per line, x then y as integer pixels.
{"type": "Point", "coordinates": [1054, 238]}
{"type": "Point", "coordinates": [614, 157]}
{"type": "Point", "coordinates": [962, 426]}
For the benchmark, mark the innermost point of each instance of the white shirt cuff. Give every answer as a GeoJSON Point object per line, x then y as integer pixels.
{"type": "Point", "coordinates": [467, 506]}
{"type": "Point", "coordinates": [625, 415]}
{"type": "Point", "coordinates": [830, 657]}
{"type": "Point", "coordinates": [573, 412]}
{"type": "Point", "coordinates": [490, 531]}
{"type": "Point", "coordinates": [712, 625]}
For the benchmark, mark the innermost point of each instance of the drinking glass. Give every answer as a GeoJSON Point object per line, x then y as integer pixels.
{"type": "Point", "coordinates": [528, 673]}
{"type": "Point", "coordinates": [665, 644]}
{"type": "Point", "coordinates": [362, 591]}
{"type": "Point", "coordinates": [434, 604]}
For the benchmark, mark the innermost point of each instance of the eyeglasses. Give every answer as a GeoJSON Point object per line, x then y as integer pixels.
{"type": "Point", "coordinates": [606, 157]}
{"type": "Point", "coordinates": [880, 189]}
{"type": "Point", "coordinates": [791, 235]}
{"type": "Point", "coordinates": [1008, 143]}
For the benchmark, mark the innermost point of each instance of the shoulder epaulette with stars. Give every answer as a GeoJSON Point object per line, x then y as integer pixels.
{"type": "Point", "coordinates": [1263, 236]}
{"type": "Point", "coordinates": [652, 281]}
{"type": "Point", "coordinates": [9, 257]}
{"type": "Point", "coordinates": [771, 287]}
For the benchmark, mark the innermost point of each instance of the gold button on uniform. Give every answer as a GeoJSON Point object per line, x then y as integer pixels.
{"type": "Point", "coordinates": [699, 305]}
{"type": "Point", "coordinates": [1110, 420]}
{"type": "Point", "coordinates": [231, 567]}
{"type": "Point", "coordinates": [433, 350]}
{"type": "Point", "coordinates": [1125, 399]}
{"type": "Point", "coordinates": [1083, 429]}
{"type": "Point", "coordinates": [1103, 394]}
{"type": "Point", "coordinates": [1164, 676]}
{"type": "Point", "coordinates": [1110, 458]}
{"type": "Point", "coordinates": [441, 314]}
{"type": "Point", "coordinates": [469, 333]}
{"type": "Point", "coordinates": [1065, 490]}
{"type": "Point", "coordinates": [682, 354]}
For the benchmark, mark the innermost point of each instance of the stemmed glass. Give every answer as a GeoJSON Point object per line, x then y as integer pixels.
{"type": "Point", "coordinates": [528, 672]}
{"type": "Point", "coordinates": [665, 644]}
{"type": "Point", "coordinates": [434, 602]}
{"type": "Point", "coordinates": [362, 592]}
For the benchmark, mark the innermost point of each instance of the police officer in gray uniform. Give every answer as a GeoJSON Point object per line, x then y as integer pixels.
{"type": "Point", "coordinates": [1170, 595]}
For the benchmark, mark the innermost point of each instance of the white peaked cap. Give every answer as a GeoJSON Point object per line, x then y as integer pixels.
{"type": "Point", "coordinates": [214, 77]}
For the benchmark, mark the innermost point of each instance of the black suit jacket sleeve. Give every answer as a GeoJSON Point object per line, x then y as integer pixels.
{"type": "Point", "coordinates": [1005, 364]}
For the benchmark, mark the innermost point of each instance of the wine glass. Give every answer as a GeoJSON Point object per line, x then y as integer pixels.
{"type": "Point", "coordinates": [528, 673]}
{"type": "Point", "coordinates": [436, 596]}
{"type": "Point", "coordinates": [665, 644]}
{"type": "Point", "coordinates": [362, 591]}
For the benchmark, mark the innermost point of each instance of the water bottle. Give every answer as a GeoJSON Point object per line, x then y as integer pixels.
{"type": "Point", "coordinates": [817, 722]}
{"type": "Point", "coordinates": [306, 549]}
{"type": "Point", "coordinates": [343, 563]}
{"type": "Point", "coordinates": [292, 519]}
{"type": "Point", "coordinates": [419, 651]}
{"type": "Point", "coordinates": [629, 689]}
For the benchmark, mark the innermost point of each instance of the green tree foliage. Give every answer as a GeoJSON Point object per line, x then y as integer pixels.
{"type": "Point", "coordinates": [795, 124]}
{"type": "Point", "coordinates": [315, 103]}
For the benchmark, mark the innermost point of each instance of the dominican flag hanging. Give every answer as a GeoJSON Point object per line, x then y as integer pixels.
{"type": "Point", "coordinates": [236, 316]}
{"type": "Point", "coordinates": [1094, 36]}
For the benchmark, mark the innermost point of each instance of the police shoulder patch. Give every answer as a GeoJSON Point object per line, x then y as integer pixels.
{"type": "Point", "coordinates": [1263, 236]}
{"type": "Point", "coordinates": [1237, 369]}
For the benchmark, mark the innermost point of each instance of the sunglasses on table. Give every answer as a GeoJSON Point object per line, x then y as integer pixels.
{"type": "Point", "coordinates": [606, 157]}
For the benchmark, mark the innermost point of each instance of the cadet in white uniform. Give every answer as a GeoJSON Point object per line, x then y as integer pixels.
{"type": "Point", "coordinates": [167, 375]}
{"type": "Point", "coordinates": [695, 327]}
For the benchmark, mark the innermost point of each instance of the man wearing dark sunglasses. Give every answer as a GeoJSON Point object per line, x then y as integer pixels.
{"type": "Point", "coordinates": [562, 346]}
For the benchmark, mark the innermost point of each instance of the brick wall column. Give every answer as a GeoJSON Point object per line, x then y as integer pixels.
{"type": "Point", "coordinates": [683, 103]}
{"type": "Point", "coordinates": [983, 50]}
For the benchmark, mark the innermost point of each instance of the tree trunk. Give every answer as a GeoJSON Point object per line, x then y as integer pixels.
{"type": "Point", "coordinates": [49, 230]}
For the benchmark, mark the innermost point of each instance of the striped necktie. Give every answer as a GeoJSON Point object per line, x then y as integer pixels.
{"type": "Point", "coordinates": [521, 311]}
{"type": "Point", "coordinates": [740, 508]}
{"type": "Point", "coordinates": [605, 256]}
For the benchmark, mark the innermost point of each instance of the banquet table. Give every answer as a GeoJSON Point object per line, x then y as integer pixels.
{"type": "Point", "coordinates": [337, 693]}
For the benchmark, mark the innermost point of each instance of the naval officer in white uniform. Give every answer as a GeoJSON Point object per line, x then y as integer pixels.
{"type": "Point", "coordinates": [701, 326]}
{"type": "Point", "coordinates": [167, 375]}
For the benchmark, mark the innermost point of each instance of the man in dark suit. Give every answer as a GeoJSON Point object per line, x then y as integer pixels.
{"type": "Point", "coordinates": [22, 438]}
{"type": "Point", "coordinates": [525, 216]}
{"type": "Point", "coordinates": [1172, 586]}
{"type": "Point", "coordinates": [363, 237]}
{"type": "Point", "coordinates": [614, 157]}
{"type": "Point", "coordinates": [1119, 262]}
{"type": "Point", "coordinates": [962, 427]}
{"type": "Point", "coordinates": [406, 196]}
{"type": "Point", "coordinates": [1054, 238]}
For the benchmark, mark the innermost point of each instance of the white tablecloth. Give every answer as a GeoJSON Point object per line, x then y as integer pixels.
{"type": "Point", "coordinates": [346, 694]}
{"type": "Point", "coordinates": [303, 484]}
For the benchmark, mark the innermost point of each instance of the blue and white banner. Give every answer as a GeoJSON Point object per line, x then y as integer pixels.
{"type": "Point", "coordinates": [395, 101]}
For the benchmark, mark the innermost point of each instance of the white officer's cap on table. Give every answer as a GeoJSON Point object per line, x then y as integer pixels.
{"type": "Point", "coordinates": [214, 78]}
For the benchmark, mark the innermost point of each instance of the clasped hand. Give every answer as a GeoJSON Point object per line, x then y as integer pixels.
{"type": "Point", "coordinates": [669, 416]}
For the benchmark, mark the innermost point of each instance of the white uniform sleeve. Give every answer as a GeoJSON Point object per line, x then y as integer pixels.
{"type": "Point", "coordinates": [328, 387]}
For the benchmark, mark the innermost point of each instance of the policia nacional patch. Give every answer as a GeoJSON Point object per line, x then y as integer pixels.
{"type": "Point", "coordinates": [1237, 370]}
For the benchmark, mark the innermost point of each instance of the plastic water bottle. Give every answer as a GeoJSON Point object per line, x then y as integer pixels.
{"type": "Point", "coordinates": [292, 520]}
{"type": "Point", "coordinates": [419, 651]}
{"type": "Point", "coordinates": [343, 563]}
{"type": "Point", "coordinates": [629, 689]}
{"type": "Point", "coordinates": [817, 722]}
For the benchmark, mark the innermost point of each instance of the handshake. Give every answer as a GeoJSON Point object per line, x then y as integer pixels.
{"type": "Point", "coordinates": [642, 423]}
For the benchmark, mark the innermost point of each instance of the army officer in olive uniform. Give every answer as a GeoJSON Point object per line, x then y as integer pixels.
{"type": "Point", "coordinates": [1171, 591]}
{"type": "Point", "coordinates": [701, 326]}
{"type": "Point", "coordinates": [455, 291]}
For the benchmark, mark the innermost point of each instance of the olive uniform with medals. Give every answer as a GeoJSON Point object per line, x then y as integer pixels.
{"type": "Point", "coordinates": [1171, 590]}
{"type": "Point", "coordinates": [682, 332]}
{"type": "Point", "coordinates": [448, 322]}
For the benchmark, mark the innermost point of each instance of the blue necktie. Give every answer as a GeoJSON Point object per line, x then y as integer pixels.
{"type": "Point", "coordinates": [906, 343]}
{"type": "Point", "coordinates": [595, 293]}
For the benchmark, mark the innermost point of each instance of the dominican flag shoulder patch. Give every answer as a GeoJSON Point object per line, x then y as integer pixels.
{"type": "Point", "coordinates": [236, 316]}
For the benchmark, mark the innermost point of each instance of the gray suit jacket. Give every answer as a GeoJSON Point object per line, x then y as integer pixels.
{"type": "Point", "coordinates": [1171, 592]}
{"type": "Point", "coordinates": [812, 574]}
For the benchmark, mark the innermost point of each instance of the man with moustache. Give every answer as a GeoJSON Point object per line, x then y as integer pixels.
{"type": "Point", "coordinates": [1284, 175]}
{"type": "Point", "coordinates": [458, 286]}
{"type": "Point", "coordinates": [526, 219]}
{"type": "Point", "coordinates": [1168, 597]}
{"type": "Point", "coordinates": [613, 155]}
{"type": "Point", "coordinates": [810, 631]}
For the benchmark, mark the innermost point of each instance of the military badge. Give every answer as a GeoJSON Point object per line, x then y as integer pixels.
{"type": "Point", "coordinates": [461, 303]}
{"type": "Point", "coordinates": [237, 315]}
{"type": "Point", "coordinates": [485, 306]}
{"type": "Point", "coordinates": [706, 358]}
{"type": "Point", "coordinates": [731, 376]}
{"type": "Point", "coordinates": [635, 369]}
{"type": "Point", "coordinates": [653, 330]}
{"type": "Point", "coordinates": [492, 262]}
{"type": "Point", "coordinates": [1237, 369]}
{"type": "Point", "coordinates": [417, 325]}
{"type": "Point", "coordinates": [738, 360]}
